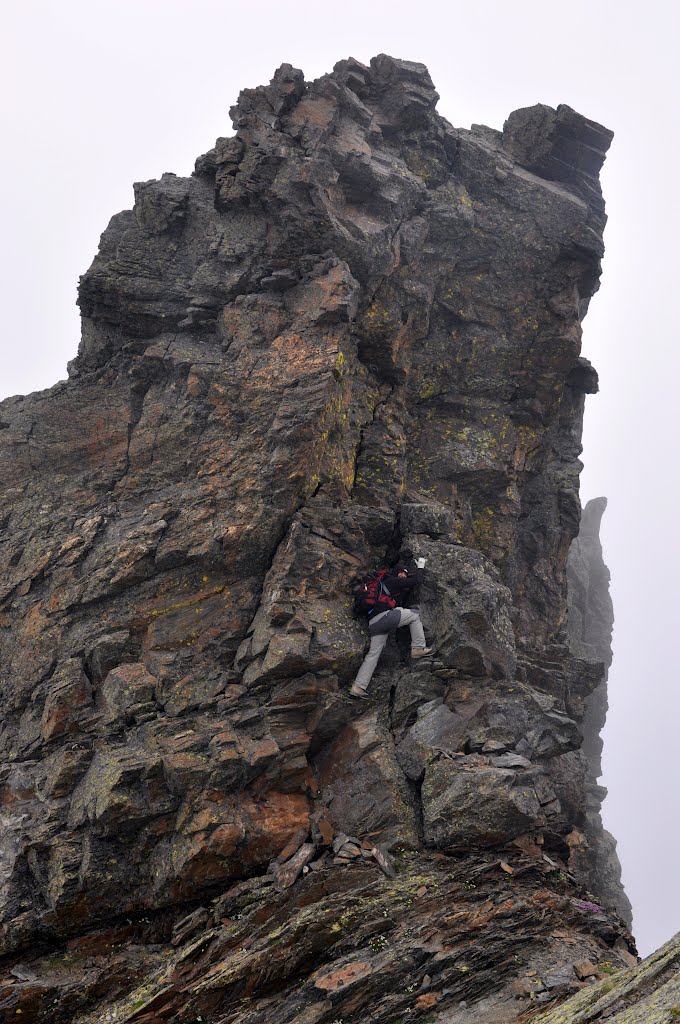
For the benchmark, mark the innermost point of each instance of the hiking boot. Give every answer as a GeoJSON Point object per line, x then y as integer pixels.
{"type": "Point", "coordinates": [356, 691]}
{"type": "Point", "coordinates": [421, 652]}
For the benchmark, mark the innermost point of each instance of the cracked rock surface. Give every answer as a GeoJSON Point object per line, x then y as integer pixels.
{"type": "Point", "coordinates": [351, 336]}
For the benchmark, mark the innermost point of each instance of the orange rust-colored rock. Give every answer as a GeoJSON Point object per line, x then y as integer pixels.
{"type": "Point", "coordinates": [344, 976]}
{"type": "Point", "coordinates": [427, 1000]}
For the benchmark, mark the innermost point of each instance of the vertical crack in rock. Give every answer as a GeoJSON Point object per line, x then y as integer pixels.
{"type": "Point", "coordinates": [351, 336]}
{"type": "Point", "coordinates": [379, 405]}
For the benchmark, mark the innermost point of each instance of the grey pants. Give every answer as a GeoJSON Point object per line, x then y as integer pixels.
{"type": "Point", "coordinates": [408, 617]}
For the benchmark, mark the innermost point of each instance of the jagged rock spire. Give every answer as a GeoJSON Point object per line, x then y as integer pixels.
{"type": "Point", "coordinates": [351, 336]}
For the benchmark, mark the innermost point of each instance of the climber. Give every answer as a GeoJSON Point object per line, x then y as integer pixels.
{"type": "Point", "coordinates": [393, 587]}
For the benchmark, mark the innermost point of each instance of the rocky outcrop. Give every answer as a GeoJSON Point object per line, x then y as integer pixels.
{"type": "Point", "coordinates": [352, 335]}
{"type": "Point", "coordinates": [648, 994]}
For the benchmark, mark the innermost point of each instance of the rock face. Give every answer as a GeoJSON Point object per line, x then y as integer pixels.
{"type": "Point", "coordinates": [352, 335]}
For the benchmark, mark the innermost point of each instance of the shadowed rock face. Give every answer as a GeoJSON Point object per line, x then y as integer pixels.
{"type": "Point", "coordinates": [352, 335]}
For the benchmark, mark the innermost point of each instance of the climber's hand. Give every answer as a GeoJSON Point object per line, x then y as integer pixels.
{"type": "Point", "coordinates": [420, 563]}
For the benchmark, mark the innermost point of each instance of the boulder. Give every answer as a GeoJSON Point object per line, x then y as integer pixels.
{"type": "Point", "coordinates": [467, 806]}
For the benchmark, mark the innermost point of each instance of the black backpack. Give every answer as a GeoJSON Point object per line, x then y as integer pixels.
{"type": "Point", "coordinates": [371, 595]}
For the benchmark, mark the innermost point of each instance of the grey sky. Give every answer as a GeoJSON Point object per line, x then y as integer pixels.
{"type": "Point", "coordinates": [96, 94]}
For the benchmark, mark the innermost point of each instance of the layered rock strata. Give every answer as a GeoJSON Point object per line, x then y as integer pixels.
{"type": "Point", "coordinates": [352, 335]}
{"type": "Point", "coordinates": [648, 994]}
